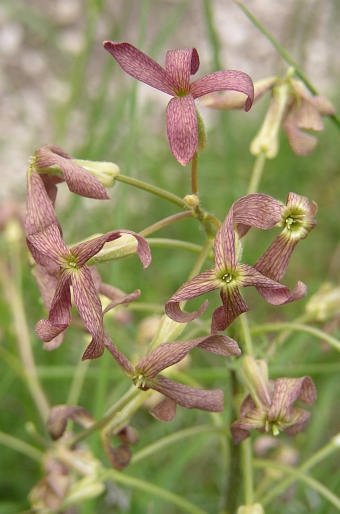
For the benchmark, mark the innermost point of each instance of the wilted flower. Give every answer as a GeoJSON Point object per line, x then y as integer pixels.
{"type": "Point", "coordinates": [297, 221]}
{"type": "Point", "coordinates": [269, 407]}
{"type": "Point", "coordinates": [291, 105]}
{"type": "Point", "coordinates": [146, 374]}
{"type": "Point", "coordinates": [256, 210]}
{"type": "Point", "coordinates": [69, 267]}
{"type": "Point", "coordinates": [182, 117]}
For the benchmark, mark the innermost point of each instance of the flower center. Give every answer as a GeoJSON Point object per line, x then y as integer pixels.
{"type": "Point", "coordinates": [228, 277]}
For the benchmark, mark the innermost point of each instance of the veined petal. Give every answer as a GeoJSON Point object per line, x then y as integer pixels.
{"type": "Point", "coordinates": [59, 316]}
{"type": "Point", "coordinates": [40, 213]}
{"type": "Point", "coordinates": [298, 421]}
{"type": "Point", "coordinates": [79, 180]}
{"type": "Point", "coordinates": [165, 410]}
{"type": "Point", "coordinates": [221, 345]}
{"type": "Point", "coordinates": [281, 296]}
{"type": "Point", "coordinates": [229, 80]}
{"type": "Point", "coordinates": [248, 276]}
{"type": "Point", "coordinates": [182, 128]}
{"type": "Point", "coordinates": [140, 66]}
{"type": "Point", "coordinates": [59, 415]}
{"type": "Point", "coordinates": [179, 65]}
{"type": "Point", "coordinates": [50, 244]}
{"type": "Point", "coordinates": [274, 262]}
{"type": "Point", "coordinates": [240, 429]}
{"type": "Point", "coordinates": [224, 247]}
{"type": "Point", "coordinates": [90, 309]}
{"type": "Point", "coordinates": [128, 298]}
{"type": "Point", "coordinates": [233, 306]}
{"type": "Point", "coordinates": [257, 210]}
{"type": "Point", "coordinates": [189, 397]}
{"type": "Point", "coordinates": [201, 284]}
{"type": "Point", "coordinates": [286, 392]}
{"type": "Point", "coordinates": [300, 142]}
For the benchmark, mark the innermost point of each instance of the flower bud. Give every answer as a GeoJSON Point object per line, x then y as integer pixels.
{"type": "Point", "coordinates": [105, 172]}
{"type": "Point", "coordinates": [191, 200]}
{"type": "Point", "coordinates": [267, 139]}
{"type": "Point", "coordinates": [251, 509]}
{"type": "Point", "coordinates": [202, 136]}
{"type": "Point", "coordinates": [325, 303]}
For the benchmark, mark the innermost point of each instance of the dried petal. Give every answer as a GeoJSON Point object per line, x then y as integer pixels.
{"type": "Point", "coordinates": [59, 415]}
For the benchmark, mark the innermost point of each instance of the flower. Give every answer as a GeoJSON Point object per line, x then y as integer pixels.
{"type": "Point", "coordinates": [297, 220]}
{"type": "Point", "coordinates": [269, 407]}
{"type": "Point", "coordinates": [256, 210]}
{"type": "Point", "coordinates": [68, 266]}
{"type": "Point", "coordinates": [146, 374]}
{"type": "Point", "coordinates": [291, 105]}
{"type": "Point", "coordinates": [181, 114]}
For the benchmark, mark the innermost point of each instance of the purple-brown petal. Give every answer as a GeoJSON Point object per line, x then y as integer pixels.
{"type": "Point", "coordinates": [188, 397]}
{"type": "Point", "coordinates": [240, 429]}
{"type": "Point", "coordinates": [40, 213]}
{"type": "Point", "coordinates": [286, 392]}
{"type": "Point", "coordinates": [233, 306]}
{"type": "Point", "coordinates": [89, 306]}
{"type": "Point", "coordinates": [79, 180]}
{"type": "Point", "coordinates": [229, 80]}
{"type": "Point", "coordinates": [179, 65]}
{"type": "Point", "coordinates": [257, 210]}
{"type": "Point", "coordinates": [182, 128]}
{"type": "Point", "coordinates": [274, 262]}
{"type": "Point", "coordinates": [59, 415]}
{"type": "Point", "coordinates": [299, 419]}
{"type": "Point", "coordinates": [140, 66]}
{"type": "Point", "coordinates": [49, 244]}
{"type": "Point", "coordinates": [221, 345]}
{"type": "Point", "coordinates": [165, 410]}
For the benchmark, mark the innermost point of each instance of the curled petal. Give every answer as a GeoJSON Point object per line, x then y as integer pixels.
{"type": "Point", "coordinates": [165, 410]}
{"type": "Point", "coordinates": [59, 415]}
{"type": "Point", "coordinates": [233, 306]}
{"type": "Point", "coordinates": [173, 310]}
{"type": "Point", "coordinates": [257, 210]}
{"type": "Point", "coordinates": [59, 316]}
{"type": "Point", "coordinates": [79, 180]}
{"type": "Point", "coordinates": [221, 345]}
{"type": "Point", "coordinates": [128, 298]}
{"type": "Point", "coordinates": [278, 296]}
{"type": "Point", "coordinates": [298, 421]}
{"type": "Point", "coordinates": [225, 81]}
{"type": "Point", "coordinates": [286, 392]}
{"type": "Point", "coordinates": [300, 142]}
{"type": "Point", "coordinates": [40, 213]}
{"type": "Point", "coordinates": [240, 429]}
{"type": "Point", "coordinates": [189, 397]}
{"type": "Point", "coordinates": [140, 66]}
{"type": "Point", "coordinates": [182, 128]}
{"type": "Point", "coordinates": [179, 65]}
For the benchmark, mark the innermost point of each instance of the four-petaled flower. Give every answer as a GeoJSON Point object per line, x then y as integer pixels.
{"type": "Point", "coordinates": [182, 124]}
{"type": "Point", "coordinates": [269, 407]}
{"type": "Point", "coordinates": [256, 210]}
{"type": "Point", "coordinates": [69, 267]}
{"type": "Point", "coordinates": [146, 374]}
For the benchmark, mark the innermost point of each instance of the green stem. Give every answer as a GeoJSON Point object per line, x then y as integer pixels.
{"type": "Point", "coordinates": [174, 243]}
{"type": "Point", "coordinates": [247, 467]}
{"type": "Point", "coordinates": [284, 54]}
{"type": "Point", "coordinates": [165, 222]}
{"type": "Point", "coordinates": [174, 438]}
{"type": "Point", "coordinates": [153, 490]}
{"type": "Point", "coordinates": [194, 183]}
{"type": "Point", "coordinates": [246, 334]}
{"type": "Point", "coordinates": [296, 327]}
{"type": "Point", "coordinates": [152, 189]}
{"type": "Point", "coordinates": [256, 173]}
{"type": "Point", "coordinates": [20, 446]}
{"type": "Point", "coordinates": [295, 474]}
{"type": "Point", "coordinates": [14, 299]}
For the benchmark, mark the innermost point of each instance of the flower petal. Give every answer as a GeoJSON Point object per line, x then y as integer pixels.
{"type": "Point", "coordinates": [274, 262]}
{"type": "Point", "coordinates": [225, 81]}
{"type": "Point", "coordinates": [165, 410]}
{"type": "Point", "coordinates": [40, 213]}
{"type": "Point", "coordinates": [79, 180]}
{"type": "Point", "coordinates": [179, 65]}
{"type": "Point", "coordinates": [59, 414]}
{"type": "Point", "coordinates": [182, 130]}
{"type": "Point", "coordinates": [89, 307]}
{"type": "Point", "coordinates": [286, 392]}
{"type": "Point", "coordinates": [224, 247]}
{"type": "Point", "coordinates": [257, 210]}
{"type": "Point", "coordinates": [50, 245]}
{"type": "Point", "coordinates": [140, 66]}
{"type": "Point", "coordinates": [188, 397]}
{"type": "Point", "coordinates": [119, 357]}
{"type": "Point", "coordinates": [240, 429]}
{"type": "Point", "coordinates": [233, 306]}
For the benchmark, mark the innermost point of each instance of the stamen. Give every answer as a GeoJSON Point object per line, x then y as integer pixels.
{"type": "Point", "coordinates": [228, 277]}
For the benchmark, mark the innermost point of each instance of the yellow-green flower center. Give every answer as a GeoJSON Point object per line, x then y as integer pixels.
{"type": "Point", "coordinates": [228, 277]}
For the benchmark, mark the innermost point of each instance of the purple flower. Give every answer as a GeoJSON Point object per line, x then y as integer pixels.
{"type": "Point", "coordinates": [181, 115]}
{"type": "Point", "coordinates": [269, 407]}
{"type": "Point", "coordinates": [68, 267]}
{"type": "Point", "coordinates": [228, 275]}
{"type": "Point", "coordinates": [146, 374]}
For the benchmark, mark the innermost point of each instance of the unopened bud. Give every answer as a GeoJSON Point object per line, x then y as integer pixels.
{"type": "Point", "coordinates": [121, 248]}
{"type": "Point", "coordinates": [251, 509]}
{"type": "Point", "coordinates": [191, 200]}
{"type": "Point", "coordinates": [105, 172]}
{"type": "Point", "coordinates": [325, 303]}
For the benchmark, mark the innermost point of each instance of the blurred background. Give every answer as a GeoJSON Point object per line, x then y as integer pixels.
{"type": "Point", "coordinates": [59, 86]}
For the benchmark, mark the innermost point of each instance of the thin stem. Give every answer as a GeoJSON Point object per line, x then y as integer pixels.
{"type": "Point", "coordinates": [152, 189]}
{"type": "Point", "coordinates": [153, 490]}
{"type": "Point", "coordinates": [247, 467]}
{"type": "Point", "coordinates": [296, 327]}
{"type": "Point", "coordinates": [296, 474]}
{"type": "Point", "coordinates": [20, 446]}
{"type": "Point", "coordinates": [256, 173]}
{"type": "Point", "coordinates": [284, 54]}
{"type": "Point", "coordinates": [165, 222]}
{"type": "Point", "coordinates": [174, 243]}
{"type": "Point", "coordinates": [174, 438]}
{"type": "Point", "coordinates": [14, 299]}
{"type": "Point", "coordinates": [246, 334]}
{"type": "Point", "coordinates": [194, 183]}
{"type": "Point", "coordinates": [323, 453]}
